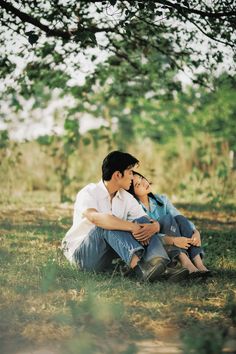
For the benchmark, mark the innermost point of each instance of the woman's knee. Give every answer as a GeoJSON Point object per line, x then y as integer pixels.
{"type": "Point", "coordinates": [184, 225]}
{"type": "Point", "coordinates": [169, 225]}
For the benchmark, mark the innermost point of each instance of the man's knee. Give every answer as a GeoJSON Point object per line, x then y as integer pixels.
{"type": "Point", "coordinates": [143, 220]}
{"type": "Point", "coordinates": [96, 234]}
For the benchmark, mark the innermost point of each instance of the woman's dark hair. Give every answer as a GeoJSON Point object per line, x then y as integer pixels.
{"type": "Point", "coordinates": [131, 189]}
{"type": "Point", "coordinates": [117, 161]}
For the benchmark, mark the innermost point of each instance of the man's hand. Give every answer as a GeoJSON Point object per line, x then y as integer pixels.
{"type": "Point", "coordinates": [196, 239]}
{"type": "Point", "coordinates": [146, 231]}
{"type": "Point", "coordinates": [136, 229]}
{"type": "Point", "coordinates": [145, 243]}
{"type": "Point", "coordinates": [182, 242]}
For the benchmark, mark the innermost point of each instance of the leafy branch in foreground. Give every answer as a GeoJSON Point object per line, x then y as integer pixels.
{"type": "Point", "coordinates": [172, 29]}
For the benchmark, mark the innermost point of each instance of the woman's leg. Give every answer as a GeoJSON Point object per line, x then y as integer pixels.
{"type": "Point", "coordinates": [179, 226]}
{"type": "Point", "coordinates": [195, 253]}
{"type": "Point", "coordinates": [187, 231]}
{"type": "Point", "coordinates": [197, 261]}
{"type": "Point", "coordinates": [170, 227]}
{"type": "Point", "coordinates": [186, 263]}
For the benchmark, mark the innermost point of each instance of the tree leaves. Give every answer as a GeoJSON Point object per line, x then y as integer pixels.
{"type": "Point", "coordinates": [144, 25]}
{"type": "Point", "coordinates": [4, 139]}
{"type": "Point", "coordinates": [85, 37]}
{"type": "Point", "coordinates": [6, 66]}
{"type": "Point", "coordinates": [32, 37]}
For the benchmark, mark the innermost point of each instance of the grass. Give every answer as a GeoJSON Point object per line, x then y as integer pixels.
{"type": "Point", "coordinates": [44, 301]}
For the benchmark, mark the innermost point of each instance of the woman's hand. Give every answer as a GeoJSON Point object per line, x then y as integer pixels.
{"type": "Point", "coordinates": [196, 239]}
{"type": "Point", "coordinates": [182, 242]}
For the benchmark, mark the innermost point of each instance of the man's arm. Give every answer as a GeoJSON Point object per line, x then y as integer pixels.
{"type": "Point", "coordinates": [141, 232]}
{"type": "Point", "coordinates": [146, 231]}
{"type": "Point", "coordinates": [109, 222]}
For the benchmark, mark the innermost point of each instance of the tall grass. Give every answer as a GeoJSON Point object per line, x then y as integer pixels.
{"type": "Point", "coordinates": [184, 169]}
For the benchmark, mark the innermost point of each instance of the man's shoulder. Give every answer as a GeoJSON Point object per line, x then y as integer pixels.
{"type": "Point", "coordinates": [89, 188]}
{"type": "Point", "coordinates": [127, 196]}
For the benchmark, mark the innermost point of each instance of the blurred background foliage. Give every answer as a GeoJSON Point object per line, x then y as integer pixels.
{"type": "Point", "coordinates": [184, 135]}
{"type": "Point", "coordinates": [186, 144]}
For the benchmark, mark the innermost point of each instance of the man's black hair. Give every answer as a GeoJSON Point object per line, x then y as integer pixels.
{"type": "Point", "coordinates": [117, 161]}
{"type": "Point", "coordinates": [131, 189]}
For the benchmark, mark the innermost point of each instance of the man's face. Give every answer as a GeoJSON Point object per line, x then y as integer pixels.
{"type": "Point", "coordinates": [126, 179]}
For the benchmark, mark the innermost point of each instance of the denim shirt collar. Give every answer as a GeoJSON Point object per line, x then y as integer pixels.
{"type": "Point", "coordinates": [159, 200]}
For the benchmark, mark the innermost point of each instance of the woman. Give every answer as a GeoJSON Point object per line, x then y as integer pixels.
{"type": "Point", "coordinates": [159, 208]}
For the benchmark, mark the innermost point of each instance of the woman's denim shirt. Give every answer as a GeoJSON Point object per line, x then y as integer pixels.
{"type": "Point", "coordinates": [160, 207]}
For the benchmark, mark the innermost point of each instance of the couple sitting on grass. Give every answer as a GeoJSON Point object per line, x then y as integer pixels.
{"type": "Point", "coordinates": [119, 217]}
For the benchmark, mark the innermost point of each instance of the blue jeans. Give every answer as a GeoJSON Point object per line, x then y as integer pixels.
{"type": "Point", "coordinates": [179, 226]}
{"type": "Point", "coordinates": [101, 246]}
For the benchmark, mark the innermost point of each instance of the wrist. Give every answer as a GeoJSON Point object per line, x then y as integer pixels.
{"type": "Point", "coordinates": [157, 225]}
{"type": "Point", "coordinates": [134, 227]}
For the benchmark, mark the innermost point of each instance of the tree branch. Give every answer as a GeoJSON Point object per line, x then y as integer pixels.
{"type": "Point", "coordinates": [144, 42]}
{"type": "Point", "coordinates": [207, 34]}
{"type": "Point", "coordinates": [194, 11]}
{"type": "Point", "coordinates": [29, 19]}
{"type": "Point", "coordinates": [49, 32]}
{"type": "Point", "coordinates": [188, 9]}
{"type": "Point", "coordinates": [153, 24]}
{"type": "Point", "coordinates": [123, 55]}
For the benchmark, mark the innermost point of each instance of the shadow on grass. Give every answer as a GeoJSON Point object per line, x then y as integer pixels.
{"type": "Point", "coordinates": [36, 228]}
{"type": "Point", "coordinates": [94, 308]}
{"type": "Point", "coordinates": [207, 207]}
{"type": "Point", "coordinates": [45, 300]}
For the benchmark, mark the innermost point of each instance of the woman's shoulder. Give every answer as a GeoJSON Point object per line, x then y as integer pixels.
{"type": "Point", "coordinates": [161, 198]}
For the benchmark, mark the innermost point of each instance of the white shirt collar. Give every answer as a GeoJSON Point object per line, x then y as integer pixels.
{"type": "Point", "coordinates": [103, 192]}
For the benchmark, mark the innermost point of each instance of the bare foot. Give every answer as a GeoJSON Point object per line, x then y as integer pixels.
{"type": "Point", "coordinates": [186, 263]}
{"type": "Point", "coordinates": [199, 264]}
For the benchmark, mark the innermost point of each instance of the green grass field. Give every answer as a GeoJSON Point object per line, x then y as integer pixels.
{"type": "Point", "coordinates": [44, 302]}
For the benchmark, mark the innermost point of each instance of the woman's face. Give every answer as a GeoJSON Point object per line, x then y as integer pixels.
{"type": "Point", "coordinates": [141, 186]}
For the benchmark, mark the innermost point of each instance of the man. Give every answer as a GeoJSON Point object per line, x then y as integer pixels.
{"type": "Point", "coordinates": [108, 223]}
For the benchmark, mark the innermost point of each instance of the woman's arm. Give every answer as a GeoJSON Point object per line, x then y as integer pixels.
{"type": "Point", "coordinates": [181, 242]}
{"type": "Point", "coordinates": [196, 238]}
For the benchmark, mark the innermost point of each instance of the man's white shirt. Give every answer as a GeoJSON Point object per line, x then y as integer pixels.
{"type": "Point", "coordinates": [96, 196]}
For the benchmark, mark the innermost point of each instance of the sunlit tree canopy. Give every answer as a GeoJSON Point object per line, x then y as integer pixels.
{"type": "Point", "coordinates": [146, 35]}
